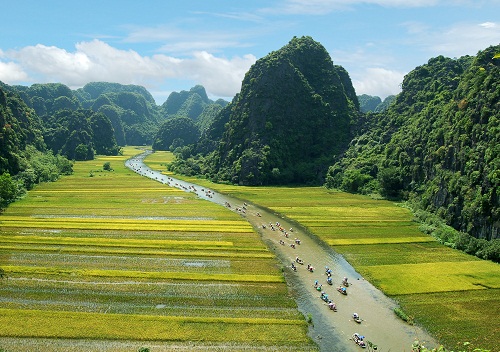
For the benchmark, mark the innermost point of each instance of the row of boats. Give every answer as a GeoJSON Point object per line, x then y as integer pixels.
{"type": "Point", "coordinates": [342, 288]}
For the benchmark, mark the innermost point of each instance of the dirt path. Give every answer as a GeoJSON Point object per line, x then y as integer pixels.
{"type": "Point", "coordinates": [331, 330]}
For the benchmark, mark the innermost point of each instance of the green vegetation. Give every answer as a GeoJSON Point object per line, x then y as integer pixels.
{"type": "Point", "coordinates": [120, 257]}
{"type": "Point", "coordinates": [446, 291]}
{"type": "Point", "coordinates": [400, 313]}
{"type": "Point", "coordinates": [176, 132]}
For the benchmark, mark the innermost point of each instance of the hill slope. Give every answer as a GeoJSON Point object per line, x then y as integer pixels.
{"type": "Point", "coordinates": [437, 144]}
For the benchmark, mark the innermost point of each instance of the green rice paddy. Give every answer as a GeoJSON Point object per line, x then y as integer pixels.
{"type": "Point", "coordinates": [115, 256]}
{"type": "Point", "coordinates": [453, 295]}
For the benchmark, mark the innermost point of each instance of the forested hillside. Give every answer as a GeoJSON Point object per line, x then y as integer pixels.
{"type": "Point", "coordinates": [24, 157]}
{"type": "Point", "coordinates": [292, 116]}
{"type": "Point", "coordinates": [438, 144]}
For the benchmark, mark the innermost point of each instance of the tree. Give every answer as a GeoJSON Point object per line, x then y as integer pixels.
{"type": "Point", "coordinates": [10, 190]}
{"type": "Point", "coordinates": [390, 182]}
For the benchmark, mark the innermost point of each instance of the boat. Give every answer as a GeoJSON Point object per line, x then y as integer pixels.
{"type": "Point", "coordinates": [342, 290]}
{"type": "Point", "coordinates": [358, 340]}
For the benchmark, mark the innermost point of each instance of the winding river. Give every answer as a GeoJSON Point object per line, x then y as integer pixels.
{"type": "Point", "coordinates": [331, 330]}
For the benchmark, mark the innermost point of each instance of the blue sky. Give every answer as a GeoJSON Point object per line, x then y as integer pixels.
{"type": "Point", "coordinates": [171, 45]}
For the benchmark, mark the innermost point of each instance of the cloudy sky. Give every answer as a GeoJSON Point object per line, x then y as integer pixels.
{"type": "Point", "coordinates": [172, 45]}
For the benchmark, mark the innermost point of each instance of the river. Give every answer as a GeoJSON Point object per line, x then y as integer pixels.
{"type": "Point", "coordinates": [331, 330]}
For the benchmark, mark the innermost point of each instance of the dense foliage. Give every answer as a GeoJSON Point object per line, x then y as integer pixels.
{"type": "Point", "coordinates": [176, 132]}
{"type": "Point", "coordinates": [293, 114]}
{"type": "Point", "coordinates": [24, 158]}
{"type": "Point", "coordinates": [438, 144]}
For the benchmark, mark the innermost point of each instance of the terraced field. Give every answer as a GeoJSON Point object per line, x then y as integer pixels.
{"type": "Point", "coordinates": [453, 295]}
{"type": "Point", "coordinates": [115, 261]}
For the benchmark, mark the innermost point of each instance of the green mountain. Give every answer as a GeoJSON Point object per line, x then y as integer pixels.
{"type": "Point", "coordinates": [369, 103]}
{"type": "Point", "coordinates": [131, 109]}
{"type": "Point", "coordinates": [56, 104]}
{"type": "Point", "coordinates": [437, 144]}
{"type": "Point", "coordinates": [291, 118]}
{"type": "Point", "coordinates": [193, 105]}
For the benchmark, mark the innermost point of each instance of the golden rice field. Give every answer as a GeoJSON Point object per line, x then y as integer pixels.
{"type": "Point", "coordinates": [112, 256]}
{"type": "Point", "coordinates": [453, 295]}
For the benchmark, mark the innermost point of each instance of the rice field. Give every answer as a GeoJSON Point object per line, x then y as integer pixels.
{"type": "Point", "coordinates": [453, 295]}
{"type": "Point", "coordinates": [112, 256]}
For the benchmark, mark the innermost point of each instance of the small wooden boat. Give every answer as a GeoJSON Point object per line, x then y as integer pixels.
{"type": "Point", "coordinates": [342, 290]}
{"type": "Point", "coordinates": [358, 340]}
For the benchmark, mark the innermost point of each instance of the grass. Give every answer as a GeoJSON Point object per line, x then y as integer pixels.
{"type": "Point", "coordinates": [134, 274]}
{"type": "Point", "coordinates": [384, 244]}
{"type": "Point", "coordinates": [56, 324]}
{"type": "Point", "coordinates": [116, 256]}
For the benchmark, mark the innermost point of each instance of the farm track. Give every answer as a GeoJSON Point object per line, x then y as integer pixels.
{"type": "Point", "coordinates": [331, 330]}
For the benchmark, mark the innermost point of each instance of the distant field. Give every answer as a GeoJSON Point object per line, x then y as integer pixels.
{"type": "Point", "coordinates": [451, 294]}
{"type": "Point", "coordinates": [107, 256]}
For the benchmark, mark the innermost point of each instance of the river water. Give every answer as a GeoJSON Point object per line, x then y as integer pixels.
{"type": "Point", "coordinates": [331, 330]}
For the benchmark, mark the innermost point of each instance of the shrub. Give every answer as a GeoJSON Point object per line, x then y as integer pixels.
{"type": "Point", "coordinates": [400, 313]}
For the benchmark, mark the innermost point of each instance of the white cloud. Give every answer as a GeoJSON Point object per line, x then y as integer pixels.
{"type": "Point", "coordinates": [12, 73]}
{"type": "Point", "coordinates": [456, 40]}
{"type": "Point", "coordinates": [180, 41]}
{"type": "Point", "coordinates": [378, 82]}
{"type": "Point", "coordinates": [98, 61]}
{"type": "Point", "coordinates": [219, 76]}
{"type": "Point", "coordinates": [321, 7]}
{"type": "Point", "coordinates": [488, 25]}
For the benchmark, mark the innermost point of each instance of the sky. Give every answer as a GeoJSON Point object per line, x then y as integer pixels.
{"type": "Point", "coordinates": [173, 45]}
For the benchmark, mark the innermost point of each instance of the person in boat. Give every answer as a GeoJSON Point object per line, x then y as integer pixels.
{"type": "Point", "coordinates": [316, 283]}
{"type": "Point", "coordinates": [355, 316]}
{"type": "Point", "coordinates": [329, 280]}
